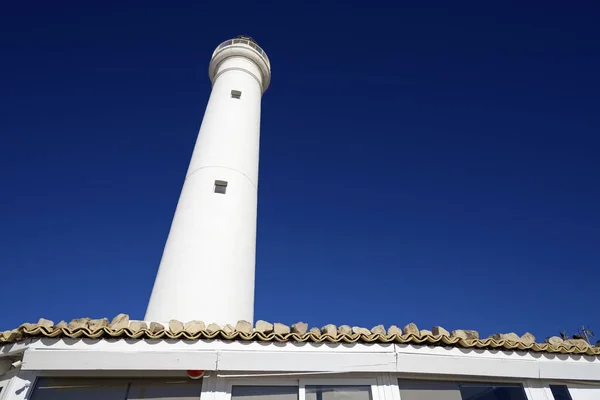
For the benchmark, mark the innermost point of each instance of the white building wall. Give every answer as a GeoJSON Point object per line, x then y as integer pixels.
{"type": "Point", "coordinates": [235, 363]}
{"type": "Point", "coordinates": [218, 386]}
{"type": "Point", "coordinates": [224, 356]}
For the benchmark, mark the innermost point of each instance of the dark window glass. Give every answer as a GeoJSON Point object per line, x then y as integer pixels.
{"type": "Point", "coordinates": [439, 390]}
{"type": "Point", "coordinates": [77, 389]}
{"type": "Point", "coordinates": [560, 392]}
{"type": "Point", "coordinates": [264, 392]}
{"type": "Point", "coordinates": [116, 389]}
{"type": "Point", "coordinates": [221, 187]}
{"type": "Point", "coordinates": [483, 391]}
{"type": "Point", "coordinates": [165, 390]}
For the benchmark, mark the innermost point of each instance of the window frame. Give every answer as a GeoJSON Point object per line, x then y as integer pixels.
{"type": "Point", "coordinates": [301, 384]}
{"type": "Point", "coordinates": [4, 383]}
{"type": "Point", "coordinates": [559, 384]}
{"type": "Point", "coordinates": [548, 392]}
{"type": "Point", "coordinates": [371, 382]}
{"type": "Point", "coordinates": [458, 379]}
{"type": "Point", "coordinates": [258, 381]}
{"type": "Point", "coordinates": [129, 381]}
{"type": "Point", "coordinates": [3, 386]}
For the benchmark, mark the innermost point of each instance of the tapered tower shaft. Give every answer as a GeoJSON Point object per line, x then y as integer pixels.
{"type": "Point", "coordinates": [207, 267]}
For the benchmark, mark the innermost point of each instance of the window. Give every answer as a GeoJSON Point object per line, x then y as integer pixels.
{"type": "Point", "coordinates": [560, 392]}
{"type": "Point", "coordinates": [220, 187]}
{"type": "Point", "coordinates": [428, 390]}
{"type": "Point", "coordinates": [483, 391]}
{"type": "Point", "coordinates": [433, 390]}
{"type": "Point", "coordinates": [236, 94]}
{"type": "Point", "coordinates": [264, 392]}
{"type": "Point", "coordinates": [165, 390]}
{"type": "Point", "coordinates": [77, 389]}
{"type": "Point", "coordinates": [116, 389]}
{"type": "Point", "coordinates": [338, 393]}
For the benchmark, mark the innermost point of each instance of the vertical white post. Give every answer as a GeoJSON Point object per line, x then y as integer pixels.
{"type": "Point", "coordinates": [19, 387]}
{"type": "Point", "coordinates": [207, 268]}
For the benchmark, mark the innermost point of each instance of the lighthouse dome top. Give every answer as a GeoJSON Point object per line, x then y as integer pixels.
{"type": "Point", "coordinates": [241, 46]}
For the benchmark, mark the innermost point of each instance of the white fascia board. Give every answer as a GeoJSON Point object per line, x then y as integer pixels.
{"type": "Point", "coordinates": [299, 361]}
{"type": "Point", "coordinates": [496, 363]}
{"type": "Point", "coordinates": [453, 365]}
{"type": "Point", "coordinates": [580, 371]}
{"type": "Point", "coordinates": [205, 345]}
{"type": "Point", "coordinates": [148, 355]}
{"type": "Point", "coordinates": [85, 360]}
{"type": "Point", "coordinates": [454, 361]}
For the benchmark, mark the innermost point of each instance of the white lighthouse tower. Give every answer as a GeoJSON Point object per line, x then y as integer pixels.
{"type": "Point", "coordinates": [207, 267]}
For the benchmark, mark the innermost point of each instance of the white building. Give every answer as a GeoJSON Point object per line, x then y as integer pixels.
{"type": "Point", "coordinates": [210, 250]}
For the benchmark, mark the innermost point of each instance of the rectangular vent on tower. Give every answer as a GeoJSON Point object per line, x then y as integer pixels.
{"type": "Point", "coordinates": [220, 187]}
{"type": "Point", "coordinates": [236, 94]}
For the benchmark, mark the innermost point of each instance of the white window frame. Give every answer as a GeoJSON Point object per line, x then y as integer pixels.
{"type": "Point", "coordinates": [301, 384]}
{"type": "Point", "coordinates": [570, 385]}
{"type": "Point", "coordinates": [4, 387]}
{"type": "Point", "coordinates": [372, 382]}
{"type": "Point", "coordinates": [467, 379]}
{"type": "Point", "coordinates": [26, 381]}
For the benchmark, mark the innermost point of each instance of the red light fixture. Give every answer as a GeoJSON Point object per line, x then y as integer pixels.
{"type": "Point", "coordinates": [195, 373]}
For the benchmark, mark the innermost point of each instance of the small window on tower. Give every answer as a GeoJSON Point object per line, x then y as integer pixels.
{"type": "Point", "coordinates": [220, 187]}
{"type": "Point", "coordinates": [236, 94]}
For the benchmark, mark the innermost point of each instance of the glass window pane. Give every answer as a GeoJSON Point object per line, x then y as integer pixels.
{"type": "Point", "coordinates": [165, 389]}
{"type": "Point", "coordinates": [428, 390]}
{"type": "Point", "coordinates": [488, 391]}
{"type": "Point", "coordinates": [338, 392]}
{"type": "Point", "coordinates": [77, 389]}
{"type": "Point", "coordinates": [264, 392]}
{"type": "Point", "coordinates": [560, 392]}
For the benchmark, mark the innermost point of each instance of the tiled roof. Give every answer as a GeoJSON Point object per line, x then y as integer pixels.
{"type": "Point", "coordinates": [122, 327]}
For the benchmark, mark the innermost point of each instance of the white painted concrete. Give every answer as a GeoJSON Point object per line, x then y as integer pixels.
{"type": "Point", "coordinates": [230, 363]}
{"type": "Point", "coordinates": [136, 355]}
{"type": "Point", "coordinates": [19, 386]}
{"type": "Point", "coordinates": [5, 380]}
{"type": "Point", "coordinates": [579, 392]}
{"type": "Point", "coordinates": [535, 390]}
{"type": "Point", "coordinates": [207, 268]}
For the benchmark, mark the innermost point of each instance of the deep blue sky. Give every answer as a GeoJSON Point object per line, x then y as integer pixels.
{"type": "Point", "coordinates": [435, 163]}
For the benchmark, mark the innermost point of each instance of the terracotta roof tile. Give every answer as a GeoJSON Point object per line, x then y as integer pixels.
{"type": "Point", "coordinates": [122, 327]}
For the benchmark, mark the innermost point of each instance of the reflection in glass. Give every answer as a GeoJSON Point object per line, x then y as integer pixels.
{"type": "Point", "coordinates": [77, 389]}
{"type": "Point", "coordinates": [483, 391]}
{"type": "Point", "coordinates": [428, 390]}
{"type": "Point", "coordinates": [264, 392]}
{"type": "Point", "coordinates": [338, 392]}
{"type": "Point", "coordinates": [165, 390]}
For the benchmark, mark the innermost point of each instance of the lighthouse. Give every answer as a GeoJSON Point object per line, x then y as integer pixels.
{"type": "Point", "coordinates": [197, 343]}
{"type": "Point", "coordinates": [207, 268]}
